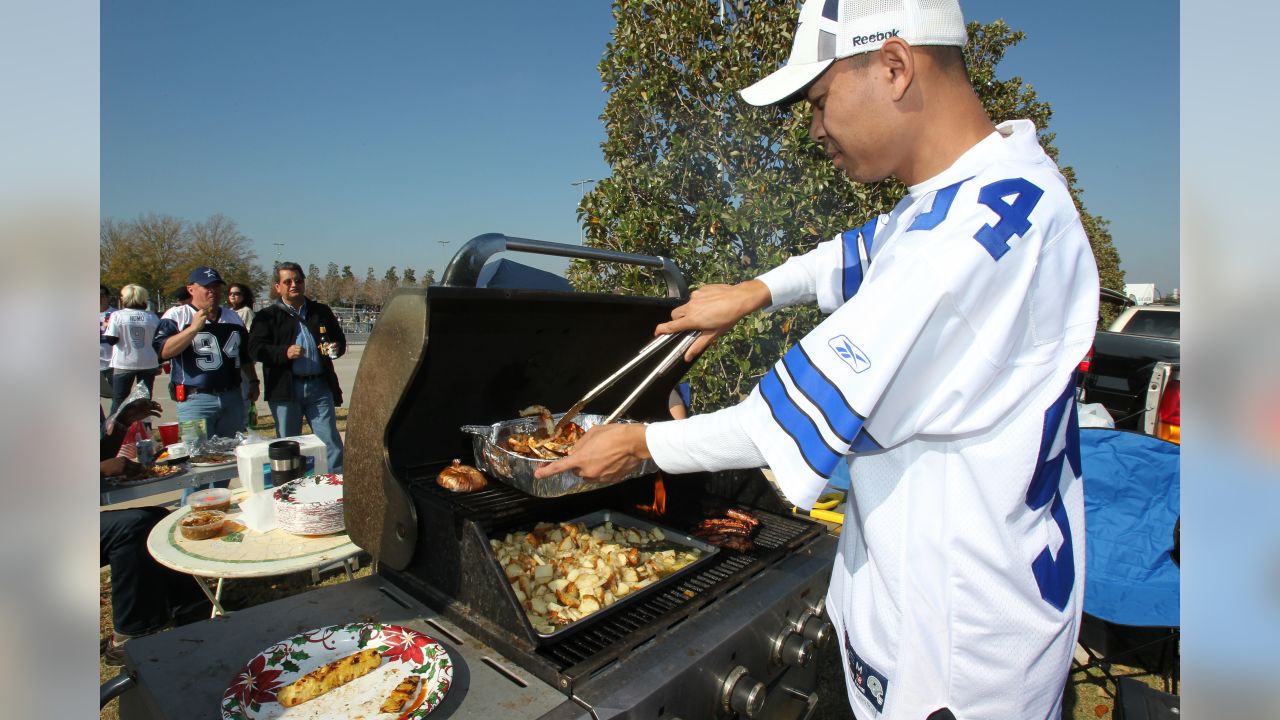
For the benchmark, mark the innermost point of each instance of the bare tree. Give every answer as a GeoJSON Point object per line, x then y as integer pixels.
{"type": "Point", "coordinates": [218, 243]}
{"type": "Point", "coordinates": [147, 251]}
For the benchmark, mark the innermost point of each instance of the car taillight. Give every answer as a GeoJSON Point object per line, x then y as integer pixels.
{"type": "Point", "coordinates": [1169, 414]}
{"type": "Point", "coordinates": [1084, 365]}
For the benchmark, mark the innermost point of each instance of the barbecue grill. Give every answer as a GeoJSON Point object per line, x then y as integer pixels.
{"type": "Point", "coordinates": [729, 636]}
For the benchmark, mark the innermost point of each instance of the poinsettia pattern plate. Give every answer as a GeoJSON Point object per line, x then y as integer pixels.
{"type": "Point", "coordinates": [405, 652]}
{"type": "Point", "coordinates": [311, 505]}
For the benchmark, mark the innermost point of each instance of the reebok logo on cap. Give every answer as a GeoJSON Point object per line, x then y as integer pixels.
{"type": "Point", "coordinates": [879, 37]}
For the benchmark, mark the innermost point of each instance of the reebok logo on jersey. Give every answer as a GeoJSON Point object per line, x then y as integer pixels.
{"type": "Point", "coordinates": [857, 40]}
{"type": "Point", "coordinates": [850, 353]}
{"type": "Point", "coordinates": [873, 685]}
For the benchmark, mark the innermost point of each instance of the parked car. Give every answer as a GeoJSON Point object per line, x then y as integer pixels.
{"type": "Point", "coordinates": [1134, 369]}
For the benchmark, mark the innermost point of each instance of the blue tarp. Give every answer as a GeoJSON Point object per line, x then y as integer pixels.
{"type": "Point", "coordinates": [1131, 504]}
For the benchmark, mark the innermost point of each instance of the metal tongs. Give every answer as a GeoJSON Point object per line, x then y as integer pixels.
{"type": "Point", "coordinates": [685, 340]}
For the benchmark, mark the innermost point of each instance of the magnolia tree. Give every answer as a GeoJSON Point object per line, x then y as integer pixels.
{"type": "Point", "coordinates": [728, 190]}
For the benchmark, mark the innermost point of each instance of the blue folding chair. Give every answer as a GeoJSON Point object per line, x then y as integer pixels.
{"type": "Point", "coordinates": [1131, 507]}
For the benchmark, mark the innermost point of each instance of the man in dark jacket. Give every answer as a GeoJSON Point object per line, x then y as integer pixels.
{"type": "Point", "coordinates": [296, 340]}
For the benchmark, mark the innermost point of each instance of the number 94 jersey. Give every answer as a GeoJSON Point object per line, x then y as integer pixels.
{"type": "Point", "coordinates": [213, 359]}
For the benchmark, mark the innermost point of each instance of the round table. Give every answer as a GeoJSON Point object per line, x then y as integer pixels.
{"type": "Point", "coordinates": [242, 553]}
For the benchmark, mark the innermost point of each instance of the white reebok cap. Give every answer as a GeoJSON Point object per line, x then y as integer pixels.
{"type": "Point", "coordinates": [833, 29]}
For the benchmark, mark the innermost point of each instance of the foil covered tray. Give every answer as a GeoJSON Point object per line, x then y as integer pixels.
{"type": "Point", "coordinates": [488, 443]}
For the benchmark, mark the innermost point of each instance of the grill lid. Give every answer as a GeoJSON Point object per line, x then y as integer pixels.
{"type": "Point", "coordinates": [443, 357]}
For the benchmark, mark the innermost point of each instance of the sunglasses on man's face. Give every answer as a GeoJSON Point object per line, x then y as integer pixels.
{"type": "Point", "coordinates": [235, 292]}
{"type": "Point", "coordinates": [292, 281]}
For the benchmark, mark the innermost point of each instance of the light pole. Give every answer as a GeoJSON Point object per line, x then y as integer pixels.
{"type": "Point", "coordinates": [278, 246]}
{"type": "Point", "coordinates": [582, 184]}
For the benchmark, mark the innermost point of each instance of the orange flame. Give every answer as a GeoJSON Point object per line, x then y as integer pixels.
{"type": "Point", "coordinates": [659, 506]}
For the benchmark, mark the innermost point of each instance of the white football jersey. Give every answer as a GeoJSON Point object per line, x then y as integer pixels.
{"type": "Point", "coordinates": [944, 377]}
{"type": "Point", "coordinates": [133, 331]}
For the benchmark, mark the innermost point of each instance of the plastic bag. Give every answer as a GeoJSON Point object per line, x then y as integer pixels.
{"type": "Point", "coordinates": [1094, 415]}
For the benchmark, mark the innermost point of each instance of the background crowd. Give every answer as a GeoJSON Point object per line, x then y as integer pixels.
{"type": "Point", "coordinates": [209, 345]}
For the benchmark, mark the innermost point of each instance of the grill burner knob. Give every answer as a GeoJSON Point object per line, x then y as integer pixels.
{"type": "Point", "coordinates": [792, 648]}
{"type": "Point", "coordinates": [817, 630]}
{"type": "Point", "coordinates": [742, 694]}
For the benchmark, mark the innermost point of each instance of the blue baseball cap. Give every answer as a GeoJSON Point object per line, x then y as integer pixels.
{"type": "Point", "coordinates": [205, 276]}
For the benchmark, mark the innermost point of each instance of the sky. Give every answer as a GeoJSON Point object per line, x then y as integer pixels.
{"type": "Point", "coordinates": [389, 133]}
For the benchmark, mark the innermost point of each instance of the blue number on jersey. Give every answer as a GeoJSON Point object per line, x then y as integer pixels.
{"type": "Point", "coordinates": [1014, 217]}
{"type": "Point", "coordinates": [1056, 576]}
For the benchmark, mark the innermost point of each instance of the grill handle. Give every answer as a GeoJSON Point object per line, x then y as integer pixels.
{"type": "Point", "coordinates": [464, 268]}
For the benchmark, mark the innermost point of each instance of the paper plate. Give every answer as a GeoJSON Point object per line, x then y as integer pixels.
{"type": "Point", "coordinates": [311, 505]}
{"type": "Point", "coordinates": [252, 692]}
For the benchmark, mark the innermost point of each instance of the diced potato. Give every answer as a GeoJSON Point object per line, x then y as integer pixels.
{"type": "Point", "coordinates": [538, 605]}
{"type": "Point", "coordinates": [589, 605]}
{"type": "Point", "coordinates": [513, 571]}
{"type": "Point", "coordinates": [543, 573]}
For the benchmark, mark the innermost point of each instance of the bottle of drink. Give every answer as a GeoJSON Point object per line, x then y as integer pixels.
{"type": "Point", "coordinates": [326, 347]}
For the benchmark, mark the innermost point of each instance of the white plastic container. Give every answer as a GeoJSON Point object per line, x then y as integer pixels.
{"type": "Point", "coordinates": [254, 467]}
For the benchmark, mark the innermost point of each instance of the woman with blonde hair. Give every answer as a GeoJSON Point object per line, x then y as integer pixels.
{"type": "Point", "coordinates": [130, 331]}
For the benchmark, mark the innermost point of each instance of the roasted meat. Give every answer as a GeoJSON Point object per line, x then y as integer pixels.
{"type": "Point", "coordinates": [461, 478]}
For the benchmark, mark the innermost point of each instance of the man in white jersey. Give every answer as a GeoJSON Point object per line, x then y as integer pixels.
{"type": "Point", "coordinates": [942, 376]}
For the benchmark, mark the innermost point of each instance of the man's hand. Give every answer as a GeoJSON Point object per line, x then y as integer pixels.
{"type": "Point", "coordinates": [603, 454]}
{"type": "Point", "coordinates": [139, 409]}
{"type": "Point", "coordinates": [714, 309]}
{"type": "Point", "coordinates": [120, 466]}
{"type": "Point", "coordinates": [255, 390]}
{"type": "Point", "coordinates": [294, 352]}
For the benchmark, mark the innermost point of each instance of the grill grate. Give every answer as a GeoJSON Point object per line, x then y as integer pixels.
{"type": "Point", "coordinates": [644, 618]}
{"type": "Point", "coordinates": [581, 652]}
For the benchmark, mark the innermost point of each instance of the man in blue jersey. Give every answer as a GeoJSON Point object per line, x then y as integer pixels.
{"type": "Point", "coordinates": [209, 349]}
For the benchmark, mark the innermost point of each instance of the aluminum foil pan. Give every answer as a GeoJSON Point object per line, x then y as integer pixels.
{"type": "Point", "coordinates": [488, 442]}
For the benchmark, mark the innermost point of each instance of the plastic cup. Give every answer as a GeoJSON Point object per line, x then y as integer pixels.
{"type": "Point", "coordinates": [169, 433]}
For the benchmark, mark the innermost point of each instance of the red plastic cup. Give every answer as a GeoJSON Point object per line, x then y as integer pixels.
{"type": "Point", "coordinates": [169, 433]}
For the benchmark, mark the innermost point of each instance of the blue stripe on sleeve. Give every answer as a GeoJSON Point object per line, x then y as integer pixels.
{"type": "Point", "coordinates": [864, 443]}
{"type": "Point", "coordinates": [852, 278]}
{"type": "Point", "coordinates": [818, 388]}
{"type": "Point", "coordinates": [795, 423]}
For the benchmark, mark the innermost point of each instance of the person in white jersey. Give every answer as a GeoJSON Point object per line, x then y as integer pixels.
{"type": "Point", "coordinates": [130, 331]}
{"type": "Point", "coordinates": [943, 376]}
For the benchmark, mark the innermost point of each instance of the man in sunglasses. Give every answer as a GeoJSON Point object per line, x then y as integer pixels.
{"type": "Point", "coordinates": [297, 339]}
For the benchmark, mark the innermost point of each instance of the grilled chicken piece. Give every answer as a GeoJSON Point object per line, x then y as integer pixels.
{"type": "Point", "coordinates": [327, 677]}
{"type": "Point", "coordinates": [461, 478]}
{"type": "Point", "coordinates": [396, 701]}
